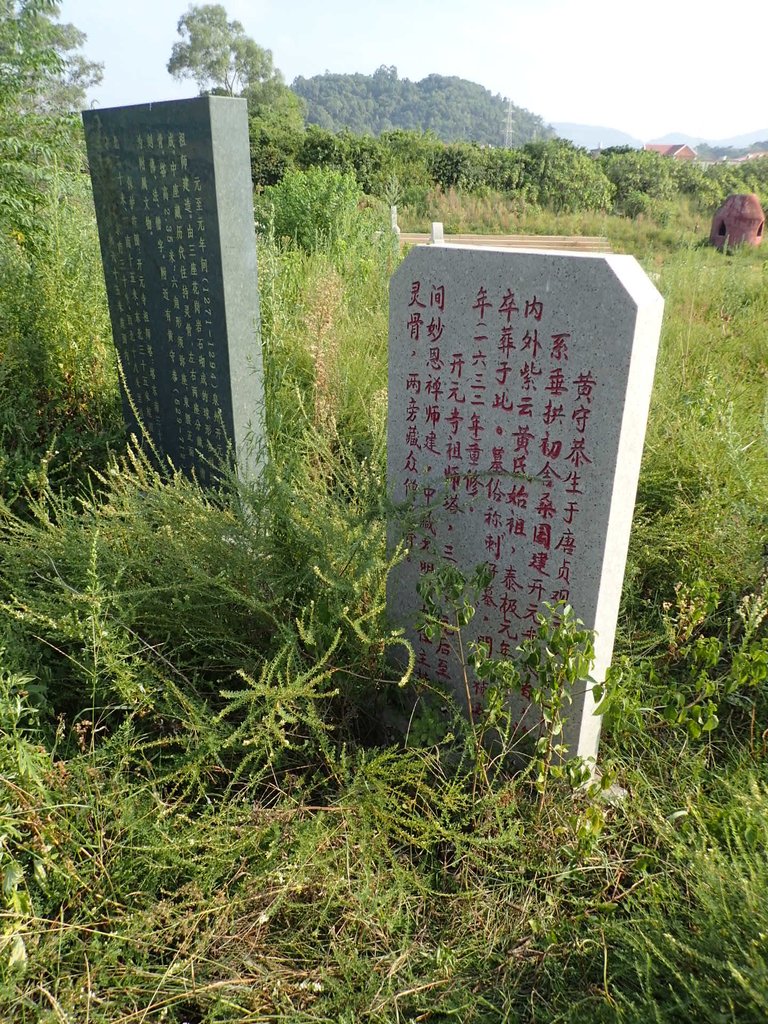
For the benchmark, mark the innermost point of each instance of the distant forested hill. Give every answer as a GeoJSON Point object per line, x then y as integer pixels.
{"type": "Point", "coordinates": [453, 108]}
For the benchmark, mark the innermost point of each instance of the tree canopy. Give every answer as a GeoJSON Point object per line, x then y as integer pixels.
{"type": "Point", "coordinates": [453, 108]}
{"type": "Point", "coordinates": [217, 53]}
{"type": "Point", "coordinates": [42, 75]}
{"type": "Point", "coordinates": [41, 69]}
{"type": "Point", "coordinates": [222, 60]}
{"type": "Point", "coordinates": [25, 56]}
{"type": "Point", "coordinates": [67, 90]}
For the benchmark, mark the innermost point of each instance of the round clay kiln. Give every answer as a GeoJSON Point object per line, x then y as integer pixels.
{"type": "Point", "coordinates": [739, 221]}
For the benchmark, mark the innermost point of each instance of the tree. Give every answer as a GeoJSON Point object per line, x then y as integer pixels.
{"type": "Point", "coordinates": [26, 56]}
{"type": "Point", "coordinates": [272, 104]}
{"type": "Point", "coordinates": [642, 179]}
{"type": "Point", "coordinates": [40, 76]}
{"type": "Point", "coordinates": [66, 90]}
{"type": "Point", "coordinates": [223, 60]}
{"type": "Point", "coordinates": [40, 68]}
{"type": "Point", "coordinates": [564, 177]}
{"type": "Point", "coordinates": [458, 165]}
{"type": "Point", "coordinates": [218, 55]}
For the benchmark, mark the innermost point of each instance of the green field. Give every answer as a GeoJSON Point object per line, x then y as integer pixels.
{"type": "Point", "coordinates": [208, 813]}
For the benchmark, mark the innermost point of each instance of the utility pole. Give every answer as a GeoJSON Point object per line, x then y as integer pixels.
{"type": "Point", "coordinates": [508, 131]}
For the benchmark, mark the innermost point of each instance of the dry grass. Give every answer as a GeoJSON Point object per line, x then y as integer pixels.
{"type": "Point", "coordinates": [324, 302]}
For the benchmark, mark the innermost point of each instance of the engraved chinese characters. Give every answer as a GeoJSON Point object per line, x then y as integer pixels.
{"type": "Point", "coordinates": [519, 386]}
{"type": "Point", "coordinates": [173, 197]}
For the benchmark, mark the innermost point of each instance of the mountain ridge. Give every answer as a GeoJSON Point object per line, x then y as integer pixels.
{"type": "Point", "coordinates": [596, 136]}
{"type": "Point", "coordinates": [458, 109]}
{"type": "Point", "coordinates": [455, 109]}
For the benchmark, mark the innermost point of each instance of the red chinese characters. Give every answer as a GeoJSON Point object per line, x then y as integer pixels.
{"type": "Point", "coordinates": [499, 453]}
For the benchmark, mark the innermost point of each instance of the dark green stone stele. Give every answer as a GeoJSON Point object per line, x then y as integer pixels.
{"type": "Point", "coordinates": [174, 206]}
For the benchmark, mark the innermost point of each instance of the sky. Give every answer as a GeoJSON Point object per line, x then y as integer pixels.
{"type": "Point", "coordinates": [646, 68]}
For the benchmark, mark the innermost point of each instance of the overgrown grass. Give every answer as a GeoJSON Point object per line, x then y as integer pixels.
{"type": "Point", "coordinates": [208, 813]}
{"type": "Point", "coordinates": [59, 407]}
{"type": "Point", "coordinates": [496, 213]}
{"type": "Point", "coordinates": [703, 495]}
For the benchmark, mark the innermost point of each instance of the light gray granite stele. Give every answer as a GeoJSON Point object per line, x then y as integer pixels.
{"type": "Point", "coordinates": [519, 387]}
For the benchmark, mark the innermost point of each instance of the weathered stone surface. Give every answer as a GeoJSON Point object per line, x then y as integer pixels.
{"type": "Point", "coordinates": [519, 386]}
{"type": "Point", "coordinates": [739, 221]}
{"type": "Point", "coordinates": [174, 205]}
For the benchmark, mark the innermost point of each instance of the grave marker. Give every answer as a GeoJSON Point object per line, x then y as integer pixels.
{"type": "Point", "coordinates": [174, 206]}
{"type": "Point", "coordinates": [437, 234]}
{"type": "Point", "coordinates": [519, 387]}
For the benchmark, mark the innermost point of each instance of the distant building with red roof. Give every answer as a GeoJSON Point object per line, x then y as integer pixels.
{"type": "Point", "coordinates": [759, 155]}
{"type": "Point", "coordinates": [677, 150]}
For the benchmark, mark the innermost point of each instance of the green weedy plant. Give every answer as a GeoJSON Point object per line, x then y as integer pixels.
{"type": "Point", "coordinates": [450, 599]}
{"type": "Point", "coordinates": [311, 208]}
{"type": "Point", "coordinates": [250, 619]}
{"type": "Point", "coordinates": [497, 754]}
{"type": "Point", "coordinates": [289, 709]}
{"type": "Point", "coordinates": [552, 664]}
{"type": "Point", "coordinates": [24, 850]}
{"type": "Point", "coordinates": [59, 403]}
{"type": "Point", "coordinates": [449, 602]}
{"type": "Point", "coordinates": [555, 662]}
{"type": "Point", "coordinates": [701, 671]}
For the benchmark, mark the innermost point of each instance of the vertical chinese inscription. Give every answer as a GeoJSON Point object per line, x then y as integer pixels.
{"type": "Point", "coordinates": [172, 191]}
{"type": "Point", "coordinates": [508, 413]}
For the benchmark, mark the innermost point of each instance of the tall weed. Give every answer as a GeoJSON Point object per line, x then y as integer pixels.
{"type": "Point", "coordinates": [59, 405]}
{"type": "Point", "coordinates": [702, 497]}
{"type": "Point", "coordinates": [503, 214]}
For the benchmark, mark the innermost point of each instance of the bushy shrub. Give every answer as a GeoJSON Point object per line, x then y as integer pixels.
{"type": "Point", "coordinates": [273, 151]}
{"type": "Point", "coordinates": [694, 180]}
{"type": "Point", "coordinates": [311, 207]}
{"type": "Point", "coordinates": [561, 176]}
{"type": "Point", "coordinates": [747, 177]}
{"type": "Point", "coordinates": [458, 165]}
{"type": "Point", "coordinates": [639, 178]}
{"type": "Point", "coordinates": [504, 169]}
{"type": "Point", "coordinates": [368, 159]}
